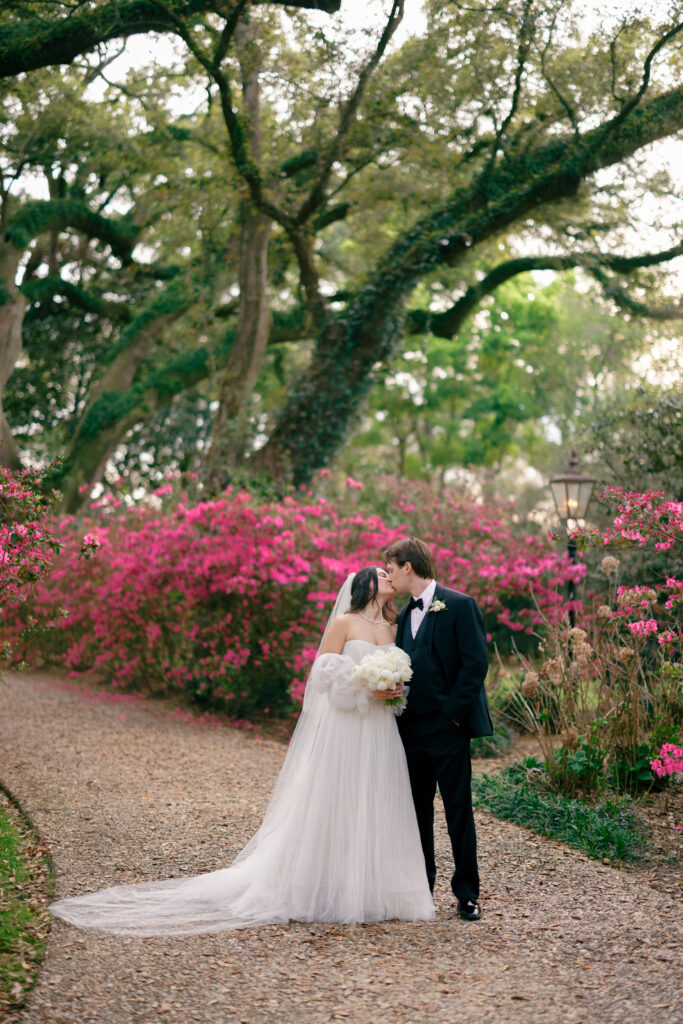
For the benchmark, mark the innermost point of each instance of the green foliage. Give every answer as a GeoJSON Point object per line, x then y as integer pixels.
{"type": "Point", "coordinates": [47, 392]}
{"type": "Point", "coordinates": [24, 875]}
{"type": "Point", "coordinates": [156, 388]}
{"type": "Point", "coordinates": [637, 440]}
{"type": "Point", "coordinates": [489, 393]}
{"type": "Point", "coordinates": [581, 768]}
{"type": "Point", "coordinates": [630, 771]}
{"type": "Point", "coordinates": [608, 830]}
{"type": "Point", "coordinates": [173, 299]}
{"type": "Point", "coordinates": [499, 743]}
{"type": "Point", "coordinates": [423, 200]}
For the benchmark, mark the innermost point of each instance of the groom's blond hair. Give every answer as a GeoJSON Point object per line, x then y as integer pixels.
{"type": "Point", "coordinates": [415, 551]}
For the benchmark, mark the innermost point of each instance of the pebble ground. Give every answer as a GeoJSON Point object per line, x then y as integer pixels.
{"type": "Point", "coordinates": [124, 792]}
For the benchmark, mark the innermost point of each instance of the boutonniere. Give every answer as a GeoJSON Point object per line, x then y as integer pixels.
{"type": "Point", "coordinates": [436, 606]}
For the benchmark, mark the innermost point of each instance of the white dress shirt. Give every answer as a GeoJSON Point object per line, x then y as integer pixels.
{"type": "Point", "coordinates": [418, 614]}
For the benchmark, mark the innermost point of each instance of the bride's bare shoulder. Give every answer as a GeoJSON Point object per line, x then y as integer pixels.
{"type": "Point", "coordinates": [336, 636]}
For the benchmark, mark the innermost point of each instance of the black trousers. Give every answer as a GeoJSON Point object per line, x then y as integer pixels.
{"type": "Point", "coordinates": [438, 752]}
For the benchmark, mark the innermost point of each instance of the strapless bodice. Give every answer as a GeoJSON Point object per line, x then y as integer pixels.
{"type": "Point", "coordinates": [357, 649]}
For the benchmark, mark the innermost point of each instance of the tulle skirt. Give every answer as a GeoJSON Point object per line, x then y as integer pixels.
{"type": "Point", "coordinates": [339, 842]}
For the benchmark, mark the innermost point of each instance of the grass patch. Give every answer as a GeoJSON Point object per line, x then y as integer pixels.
{"type": "Point", "coordinates": [608, 830]}
{"type": "Point", "coordinates": [25, 890]}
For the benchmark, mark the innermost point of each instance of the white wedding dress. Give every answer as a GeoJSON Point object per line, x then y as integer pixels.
{"type": "Point", "coordinates": [339, 840]}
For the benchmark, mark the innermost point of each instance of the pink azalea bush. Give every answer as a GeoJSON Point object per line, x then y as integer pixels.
{"type": "Point", "coordinates": [28, 545]}
{"type": "Point", "coordinates": [223, 601]}
{"type": "Point", "coordinates": [646, 519]}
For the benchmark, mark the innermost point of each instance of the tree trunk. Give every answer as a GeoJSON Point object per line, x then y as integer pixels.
{"type": "Point", "coordinates": [237, 381]}
{"type": "Point", "coordinates": [11, 321]}
{"type": "Point", "coordinates": [107, 417]}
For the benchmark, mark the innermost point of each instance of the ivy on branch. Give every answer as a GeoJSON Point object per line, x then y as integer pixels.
{"type": "Point", "coordinates": [40, 215]}
{"type": "Point", "coordinates": [29, 42]}
{"type": "Point", "coordinates": [448, 323]}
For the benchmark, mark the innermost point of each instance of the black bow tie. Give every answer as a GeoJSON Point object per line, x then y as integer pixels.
{"type": "Point", "coordinates": [415, 603]}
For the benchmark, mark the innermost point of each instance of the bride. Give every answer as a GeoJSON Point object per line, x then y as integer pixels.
{"type": "Point", "coordinates": [339, 840]}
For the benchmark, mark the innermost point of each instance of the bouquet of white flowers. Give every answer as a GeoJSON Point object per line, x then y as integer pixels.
{"type": "Point", "coordinates": [385, 669]}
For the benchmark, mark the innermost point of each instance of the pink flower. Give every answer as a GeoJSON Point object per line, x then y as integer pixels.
{"type": "Point", "coordinates": [669, 762]}
{"type": "Point", "coordinates": [644, 627]}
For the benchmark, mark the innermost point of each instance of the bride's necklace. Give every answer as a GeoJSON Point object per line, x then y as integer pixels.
{"type": "Point", "coordinates": [375, 622]}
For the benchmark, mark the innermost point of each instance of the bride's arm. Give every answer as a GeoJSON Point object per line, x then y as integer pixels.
{"type": "Point", "coordinates": [331, 673]}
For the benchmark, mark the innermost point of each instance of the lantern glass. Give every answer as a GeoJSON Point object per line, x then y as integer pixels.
{"type": "Point", "coordinates": [572, 492]}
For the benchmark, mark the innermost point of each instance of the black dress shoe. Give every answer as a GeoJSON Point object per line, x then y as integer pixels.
{"type": "Point", "coordinates": [469, 910]}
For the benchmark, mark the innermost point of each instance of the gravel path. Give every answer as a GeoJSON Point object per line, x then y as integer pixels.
{"type": "Point", "coordinates": [125, 792]}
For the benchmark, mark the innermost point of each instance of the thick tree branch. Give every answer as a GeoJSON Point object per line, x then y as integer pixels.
{"type": "Point", "coordinates": [31, 42]}
{"type": "Point", "coordinates": [620, 296]}
{"type": "Point", "coordinates": [564, 103]}
{"type": "Point", "coordinates": [109, 399]}
{"type": "Point", "coordinates": [149, 323]}
{"type": "Point", "coordinates": [302, 244]}
{"type": "Point", "coordinates": [526, 34]}
{"type": "Point", "coordinates": [42, 289]}
{"type": "Point", "coordinates": [115, 411]}
{"type": "Point", "coordinates": [237, 132]}
{"type": "Point", "coordinates": [613, 66]}
{"type": "Point", "coordinates": [38, 216]}
{"type": "Point", "coordinates": [448, 323]}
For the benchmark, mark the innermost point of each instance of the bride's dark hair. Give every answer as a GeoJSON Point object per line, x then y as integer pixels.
{"type": "Point", "coordinates": [364, 589]}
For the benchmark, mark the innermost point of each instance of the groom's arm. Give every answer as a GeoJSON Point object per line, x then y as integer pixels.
{"type": "Point", "coordinates": [470, 640]}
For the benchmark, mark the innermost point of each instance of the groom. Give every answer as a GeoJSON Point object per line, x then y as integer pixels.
{"type": "Point", "coordinates": [443, 632]}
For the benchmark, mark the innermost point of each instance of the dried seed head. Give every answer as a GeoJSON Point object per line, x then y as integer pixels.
{"type": "Point", "coordinates": [570, 738]}
{"type": "Point", "coordinates": [530, 686]}
{"type": "Point", "coordinates": [552, 668]}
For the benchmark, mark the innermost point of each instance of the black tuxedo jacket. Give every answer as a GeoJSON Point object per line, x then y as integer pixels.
{"type": "Point", "coordinates": [449, 662]}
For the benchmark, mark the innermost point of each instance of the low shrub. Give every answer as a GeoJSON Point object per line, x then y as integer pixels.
{"type": "Point", "coordinates": [603, 699]}
{"type": "Point", "coordinates": [607, 830]}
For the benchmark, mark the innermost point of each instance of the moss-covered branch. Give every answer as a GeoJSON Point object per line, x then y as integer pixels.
{"type": "Point", "coordinates": [28, 42]}
{"type": "Point", "coordinates": [620, 295]}
{"type": "Point", "coordinates": [115, 412]}
{"type": "Point", "coordinates": [448, 323]}
{"type": "Point", "coordinates": [36, 217]}
{"type": "Point", "coordinates": [161, 310]}
{"type": "Point", "coordinates": [43, 289]}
